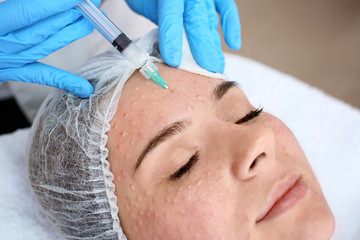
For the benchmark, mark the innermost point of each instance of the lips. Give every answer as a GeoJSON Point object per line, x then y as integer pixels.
{"type": "Point", "coordinates": [287, 193]}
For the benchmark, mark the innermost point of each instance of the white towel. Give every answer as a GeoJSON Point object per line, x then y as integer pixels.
{"type": "Point", "coordinates": [20, 216]}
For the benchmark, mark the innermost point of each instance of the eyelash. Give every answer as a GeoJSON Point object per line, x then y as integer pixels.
{"type": "Point", "coordinates": [186, 168]}
{"type": "Point", "coordinates": [251, 115]}
{"type": "Point", "coordinates": [194, 158]}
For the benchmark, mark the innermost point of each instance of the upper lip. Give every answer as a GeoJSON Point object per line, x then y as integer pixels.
{"type": "Point", "coordinates": [279, 190]}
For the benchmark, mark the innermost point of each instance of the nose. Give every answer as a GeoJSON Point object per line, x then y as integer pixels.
{"type": "Point", "coordinates": [252, 149]}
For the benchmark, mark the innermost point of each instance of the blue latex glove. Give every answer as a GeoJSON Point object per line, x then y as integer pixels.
{"type": "Point", "coordinates": [201, 24]}
{"type": "Point", "coordinates": [31, 30]}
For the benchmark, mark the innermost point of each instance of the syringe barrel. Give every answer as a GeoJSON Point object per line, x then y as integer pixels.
{"type": "Point", "coordinates": [102, 23]}
{"type": "Point", "coordinates": [112, 33]}
{"type": "Point", "coordinates": [134, 55]}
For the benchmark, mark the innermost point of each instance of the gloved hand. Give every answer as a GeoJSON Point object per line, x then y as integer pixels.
{"type": "Point", "coordinates": [31, 30]}
{"type": "Point", "coordinates": [201, 24]}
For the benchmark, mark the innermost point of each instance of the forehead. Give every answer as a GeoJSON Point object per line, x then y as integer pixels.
{"type": "Point", "coordinates": [145, 108]}
{"type": "Point", "coordinates": [182, 85]}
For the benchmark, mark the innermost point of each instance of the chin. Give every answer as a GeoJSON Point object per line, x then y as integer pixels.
{"type": "Point", "coordinates": [319, 227]}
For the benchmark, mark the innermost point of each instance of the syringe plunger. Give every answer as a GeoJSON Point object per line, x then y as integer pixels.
{"type": "Point", "coordinates": [120, 41]}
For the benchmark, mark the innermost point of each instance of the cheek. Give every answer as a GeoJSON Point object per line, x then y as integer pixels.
{"type": "Point", "coordinates": [290, 153]}
{"type": "Point", "coordinates": [200, 210]}
{"type": "Point", "coordinates": [285, 141]}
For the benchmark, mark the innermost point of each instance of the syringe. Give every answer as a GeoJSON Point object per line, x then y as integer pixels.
{"type": "Point", "coordinates": [120, 41]}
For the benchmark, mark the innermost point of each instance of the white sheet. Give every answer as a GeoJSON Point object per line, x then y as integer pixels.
{"type": "Point", "coordinates": [20, 215]}
{"type": "Point", "coordinates": [328, 130]}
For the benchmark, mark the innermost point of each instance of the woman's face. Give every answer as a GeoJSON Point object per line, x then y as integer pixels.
{"type": "Point", "coordinates": [196, 162]}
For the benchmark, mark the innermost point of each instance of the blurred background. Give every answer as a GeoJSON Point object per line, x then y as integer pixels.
{"type": "Point", "coordinates": [316, 41]}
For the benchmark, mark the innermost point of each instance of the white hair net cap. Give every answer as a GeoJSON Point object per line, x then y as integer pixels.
{"type": "Point", "coordinates": [68, 166]}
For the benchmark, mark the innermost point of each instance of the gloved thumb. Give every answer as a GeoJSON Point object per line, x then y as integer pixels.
{"type": "Point", "coordinates": [46, 75]}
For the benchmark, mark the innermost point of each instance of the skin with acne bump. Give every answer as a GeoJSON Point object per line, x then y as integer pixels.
{"type": "Point", "coordinates": [237, 171]}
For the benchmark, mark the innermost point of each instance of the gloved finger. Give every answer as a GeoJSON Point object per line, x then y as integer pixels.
{"type": "Point", "coordinates": [230, 22]}
{"type": "Point", "coordinates": [16, 14]}
{"type": "Point", "coordinates": [46, 75]}
{"type": "Point", "coordinates": [214, 23]}
{"type": "Point", "coordinates": [199, 36]}
{"type": "Point", "coordinates": [65, 36]}
{"type": "Point", "coordinates": [27, 37]}
{"type": "Point", "coordinates": [147, 8]}
{"type": "Point", "coordinates": [171, 31]}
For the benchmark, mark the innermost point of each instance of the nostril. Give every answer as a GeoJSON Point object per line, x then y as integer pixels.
{"type": "Point", "coordinates": [253, 164]}
{"type": "Point", "coordinates": [256, 160]}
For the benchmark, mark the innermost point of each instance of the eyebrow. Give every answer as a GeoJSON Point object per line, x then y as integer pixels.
{"type": "Point", "coordinates": [169, 131]}
{"type": "Point", "coordinates": [177, 127]}
{"type": "Point", "coordinates": [221, 89]}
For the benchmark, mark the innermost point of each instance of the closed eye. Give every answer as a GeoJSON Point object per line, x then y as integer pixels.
{"type": "Point", "coordinates": [186, 168]}
{"type": "Point", "coordinates": [251, 115]}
